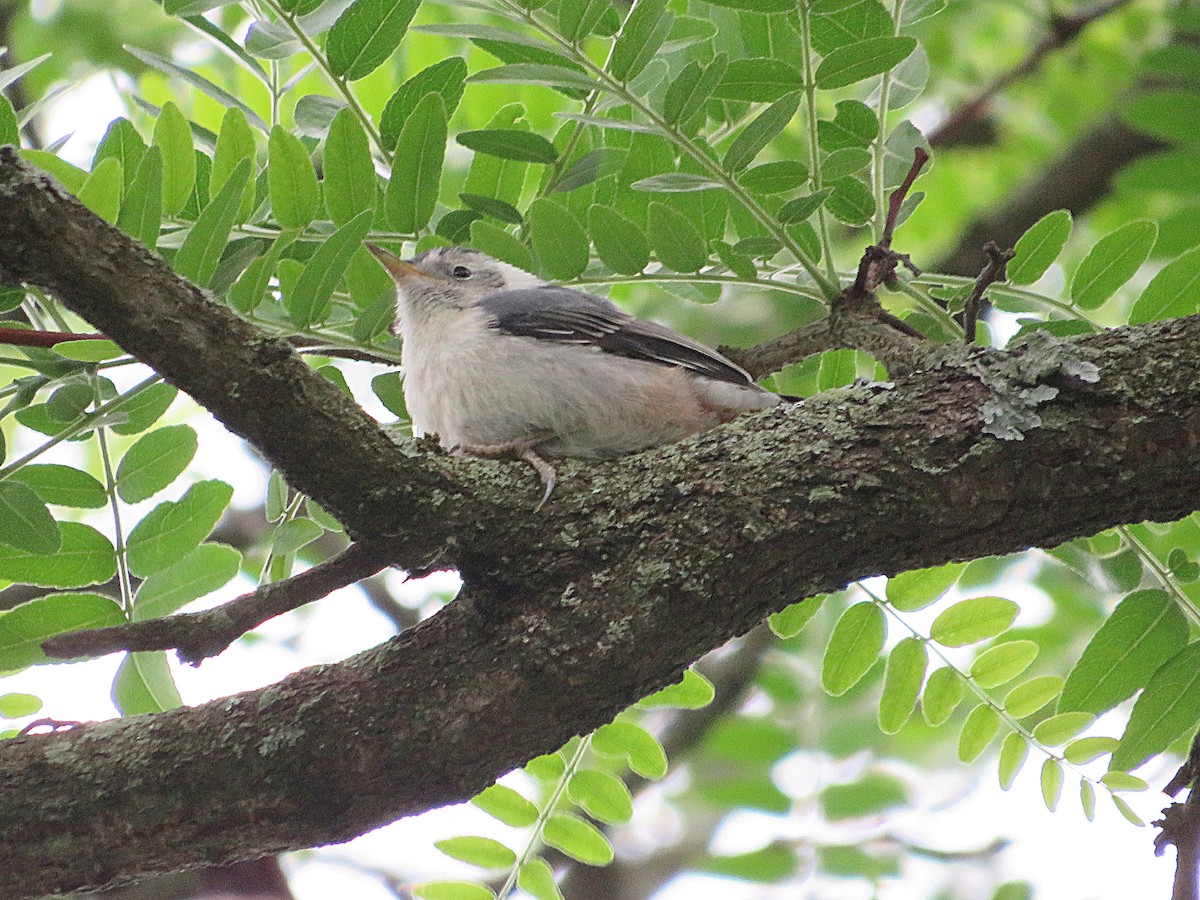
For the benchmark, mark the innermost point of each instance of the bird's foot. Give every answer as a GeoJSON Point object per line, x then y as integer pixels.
{"type": "Point", "coordinates": [522, 449]}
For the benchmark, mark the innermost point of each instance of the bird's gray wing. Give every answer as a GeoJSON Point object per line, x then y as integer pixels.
{"type": "Point", "coordinates": [565, 316]}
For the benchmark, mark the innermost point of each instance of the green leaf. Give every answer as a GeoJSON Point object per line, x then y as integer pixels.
{"type": "Point", "coordinates": [293, 534]}
{"type": "Point", "coordinates": [503, 803]}
{"type": "Point", "coordinates": [943, 692]}
{"type": "Point", "coordinates": [173, 137]}
{"type": "Point", "coordinates": [146, 408]}
{"type": "Point", "coordinates": [173, 529]}
{"type": "Point", "coordinates": [1173, 292]}
{"type": "Point", "coordinates": [62, 485]}
{"type": "Point", "coordinates": [1087, 799]}
{"type": "Point", "coordinates": [204, 570]}
{"type": "Point", "coordinates": [1013, 752]}
{"type": "Point", "coordinates": [846, 161]}
{"type": "Point", "coordinates": [800, 208]}
{"type": "Point", "coordinates": [676, 183]}
{"type": "Point", "coordinates": [196, 80]}
{"type": "Point", "coordinates": [537, 880]}
{"type": "Point", "coordinates": [577, 839]}
{"type": "Point", "coordinates": [851, 201]}
{"type": "Point", "coordinates": [250, 288]}
{"type": "Point", "coordinates": [23, 628]}
{"type": "Point", "coordinates": [538, 73]}
{"type": "Point", "coordinates": [619, 243]}
{"type": "Point", "coordinates": [693, 691]}
{"type": "Point", "coordinates": [311, 298]}
{"type": "Point", "coordinates": [854, 125]}
{"type": "Point", "coordinates": [856, 62]}
{"type": "Point", "coordinates": [592, 166]}
{"type": "Point", "coordinates": [854, 646]}
{"type": "Point", "coordinates": [88, 350]}
{"type": "Point", "coordinates": [201, 251]}
{"type": "Point", "coordinates": [85, 557]}
{"type": "Point", "coordinates": [141, 213]}
{"type": "Point", "coordinates": [1001, 664]}
{"type": "Point", "coordinates": [10, 131]}
{"type": "Point", "coordinates": [836, 23]}
{"type": "Point", "coordinates": [1039, 247]}
{"type": "Point", "coordinates": [1167, 709]}
{"type": "Point", "coordinates": [759, 80]}
{"type": "Point", "coordinates": [902, 683]}
{"type": "Point", "coordinates": [1030, 696]}
{"type": "Point", "coordinates": [1145, 630]}
{"type": "Point", "coordinates": [1123, 781]}
{"type": "Point", "coordinates": [873, 794]}
{"type": "Point", "coordinates": [101, 193]}
{"type": "Point", "coordinates": [235, 143]}
{"type": "Point", "coordinates": [974, 620]}
{"type": "Point", "coordinates": [675, 239]}
{"type": "Point", "coordinates": [452, 890]}
{"type": "Point", "coordinates": [17, 706]}
{"type": "Point", "coordinates": [977, 732]}
{"type": "Point", "coordinates": [643, 33]}
{"type": "Point", "coordinates": [144, 684]}
{"type": "Point", "coordinates": [1125, 810]}
{"type": "Point", "coordinates": [752, 139]}
{"type": "Point", "coordinates": [578, 18]}
{"type": "Point", "coordinates": [693, 86]}
{"type": "Point", "coordinates": [1085, 749]}
{"type": "Point", "coordinates": [789, 622]}
{"type": "Point", "coordinates": [477, 851]}
{"type": "Point", "coordinates": [638, 746]}
{"type": "Point", "coordinates": [25, 522]}
{"type": "Point", "coordinates": [499, 244]}
{"type": "Point", "coordinates": [602, 796]}
{"type": "Point", "coordinates": [445, 78]}
{"type": "Point", "coordinates": [1061, 728]}
{"type": "Point", "coordinates": [350, 181]}
{"type": "Point", "coordinates": [558, 239]}
{"type": "Point", "coordinates": [366, 34]}
{"type": "Point", "coordinates": [291, 180]}
{"type": "Point", "coordinates": [774, 177]}
{"type": "Point", "coordinates": [510, 143]}
{"type": "Point", "coordinates": [156, 460]}
{"type": "Point", "coordinates": [417, 167]}
{"type": "Point", "coordinates": [1112, 262]}
{"type": "Point", "coordinates": [1052, 779]}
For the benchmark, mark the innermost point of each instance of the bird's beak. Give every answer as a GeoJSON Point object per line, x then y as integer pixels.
{"type": "Point", "coordinates": [398, 268]}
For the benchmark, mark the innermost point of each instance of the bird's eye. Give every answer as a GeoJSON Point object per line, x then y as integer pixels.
{"type": "Point", "coordinates": [461, 272]}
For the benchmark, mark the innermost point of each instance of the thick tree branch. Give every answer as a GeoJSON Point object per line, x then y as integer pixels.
{"type": "Point", "coordinates": [637, 567]}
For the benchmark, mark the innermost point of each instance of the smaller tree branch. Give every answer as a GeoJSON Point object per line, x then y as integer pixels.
{"type": "Point", "coordinates": [25, 337]}
{"type": "Point", "coordinates": [993, 270]}
{"type": "Point", "coordinates": [1180, 826]}
{"type": "Point", "coordinates": [197, 636]}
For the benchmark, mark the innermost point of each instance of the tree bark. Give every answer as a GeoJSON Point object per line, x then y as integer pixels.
{"type": "Point", "coordinates": [633, 570]}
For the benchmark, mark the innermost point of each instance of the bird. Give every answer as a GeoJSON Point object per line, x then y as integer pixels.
{"type": "Point", "coordinates": [501, 364]}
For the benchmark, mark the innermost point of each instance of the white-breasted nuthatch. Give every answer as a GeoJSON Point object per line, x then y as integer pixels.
{"type": "Point", "coordinates": [500, 363]}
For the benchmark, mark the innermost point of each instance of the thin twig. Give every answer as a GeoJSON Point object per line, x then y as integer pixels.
{"type": "Point", "coordinates": [24, 337]}
{"type": "Point", "coordinates": [197, 636]}
{"type": "Point", "coordinates": [995, 269]}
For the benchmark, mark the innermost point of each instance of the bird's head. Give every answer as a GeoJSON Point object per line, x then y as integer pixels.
{"type": "Point", "coordinates": [457, 277]}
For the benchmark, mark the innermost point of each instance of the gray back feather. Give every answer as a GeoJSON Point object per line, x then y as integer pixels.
{"type": "Point", "coordinates": [562, 315]}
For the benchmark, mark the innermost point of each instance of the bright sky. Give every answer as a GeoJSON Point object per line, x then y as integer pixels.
{"type": "Point", "coordinates": [1066, 857]}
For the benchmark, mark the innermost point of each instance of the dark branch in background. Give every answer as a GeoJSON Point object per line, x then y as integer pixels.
{"type": "Point", "coordinates": [1062, 29]}
{"type": "Point", "coordinates": [199, 635]}
{"type": "Point", "coordinates": [1180, 826]}
{"type": "Point", "coordinates": [993, 270]}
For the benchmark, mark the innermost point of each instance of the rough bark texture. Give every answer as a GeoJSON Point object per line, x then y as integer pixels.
{"type": "Point", "coordinates": [632, 571]}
